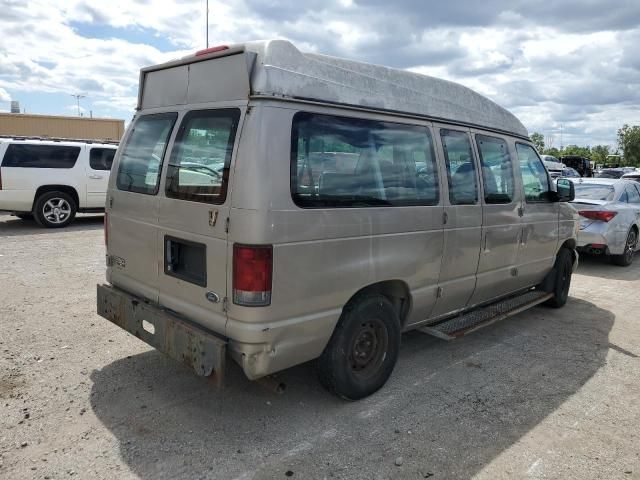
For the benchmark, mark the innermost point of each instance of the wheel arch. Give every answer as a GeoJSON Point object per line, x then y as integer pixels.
{"type": "Point", "coordinates": [396, 291]}
{"type": "Point", "coordinates": [56, 188]}
{"type": "Point", "coordinates": [570, 244]}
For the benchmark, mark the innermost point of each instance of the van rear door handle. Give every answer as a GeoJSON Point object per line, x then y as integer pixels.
{"type": "Point", "coordinates": [96, 177]}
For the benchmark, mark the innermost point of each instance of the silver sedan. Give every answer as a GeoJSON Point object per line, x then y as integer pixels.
{"type": "Point", "coordinates": [609, 217]}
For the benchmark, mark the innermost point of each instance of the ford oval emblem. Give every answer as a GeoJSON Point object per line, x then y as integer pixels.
{"type": "Point", "coordinates": [212, 297]}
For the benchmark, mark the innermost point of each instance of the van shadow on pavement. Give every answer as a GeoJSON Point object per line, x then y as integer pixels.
{"type": "Point", "coordinates": [448, 409]}
{"type": "Point", "coordinates": [11, 226]}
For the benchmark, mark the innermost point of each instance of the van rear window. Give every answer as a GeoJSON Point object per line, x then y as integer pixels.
{"type": "Point", "coordinates": [40, 156]}
{"type": "Point", "coordinates": [348, 162]}
{"type": "Point", "coordinates": [141, 160]}
{"type": "Point", "coordinates": [199, 167]}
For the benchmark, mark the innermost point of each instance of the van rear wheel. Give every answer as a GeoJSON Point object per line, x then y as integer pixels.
{"type": "Point", "coordinates": [363, 349]}
{"type": "Point", "coordinates": [562, 282]}
{"type": "Point", "coordinates": [55, 209]}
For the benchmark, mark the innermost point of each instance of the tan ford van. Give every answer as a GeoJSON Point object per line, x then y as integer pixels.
{"type": "Point", "coordinates": [280, 207]}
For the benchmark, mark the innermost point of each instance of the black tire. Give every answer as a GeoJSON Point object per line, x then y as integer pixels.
{"type": "Point", "coordinates": [55, 209]}
{"type": "Point", "coordinates": [630, 246]}
{"type": "Point", "coordinates": [562, 282]}
{"type": "Point", "coordinates": [24, 216]}
{"type": "Point", "coordinates": [363, 349]}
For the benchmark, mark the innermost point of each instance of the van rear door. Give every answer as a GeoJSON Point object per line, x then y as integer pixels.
{"type": "Point", "coordinates": [132, 206]}
{"type": "Point", "coordinates": [193, 216]}
{"type": "Point", "coordinates": [168, 198]}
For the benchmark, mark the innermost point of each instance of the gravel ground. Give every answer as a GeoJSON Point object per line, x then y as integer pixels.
{"type": "Point", "coordinates": [546, 394]}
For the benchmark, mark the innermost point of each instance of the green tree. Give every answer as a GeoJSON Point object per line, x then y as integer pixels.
{"type": "Point", "coordinates": [629, 143]}
{"type": "Point", "coordinates": [599, 153]}
{"type": "Point", "coordinates": [553, 151]}
{"type": "Point", "coordinates": [576, 150]}
{"type": "Point", "coordinates": [538, 141]}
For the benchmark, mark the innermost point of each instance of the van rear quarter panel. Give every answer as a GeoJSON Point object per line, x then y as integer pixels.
{"type": "Point", "coordinates": [322, 257]}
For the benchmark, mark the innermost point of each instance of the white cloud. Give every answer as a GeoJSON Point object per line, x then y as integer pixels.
{"type": "Point", "coordinates": [4, 96]}
{"type": "Point", "coordinates": [581, 70]}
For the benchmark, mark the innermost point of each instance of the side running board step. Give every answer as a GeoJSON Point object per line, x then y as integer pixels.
{"type": "Point", "coordinates": [455, 327]}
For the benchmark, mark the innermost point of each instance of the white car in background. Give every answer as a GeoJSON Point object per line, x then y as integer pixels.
{"type": "Point", "coordinates": [609, 217]}
{"type": "Point", "coordinates": [635, 175]}
{"type": "Point", "coordinates": [553, 165]}
{"type": "Point", "coordinates": [52, 180]}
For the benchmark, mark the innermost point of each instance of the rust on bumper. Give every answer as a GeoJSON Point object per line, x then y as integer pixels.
{"type": "Point", "coordinates": [181, 340]}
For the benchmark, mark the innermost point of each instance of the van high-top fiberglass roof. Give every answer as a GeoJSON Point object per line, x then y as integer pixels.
{"type": "Point", "coordinates": [277, 68]}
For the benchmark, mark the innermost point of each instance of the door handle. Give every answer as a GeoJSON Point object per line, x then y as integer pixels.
{"type": "Point", "coordinates": [96, 177]}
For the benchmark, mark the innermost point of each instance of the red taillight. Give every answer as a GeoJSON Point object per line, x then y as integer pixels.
{"type": "Point", "coordinates": [205, 51]}
{"type": "Point", "coordinates": [252, 269]}
{"type": "Point", "coordinates": [601, 215]}
{"type": "Point", "coordinates": [106, 229]}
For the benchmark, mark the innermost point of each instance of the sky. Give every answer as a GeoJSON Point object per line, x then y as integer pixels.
{"type": "Point", "coordinates": [561, 66]}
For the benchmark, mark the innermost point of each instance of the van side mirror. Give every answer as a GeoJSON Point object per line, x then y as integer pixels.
{"type": "Point", "coordinates": [566, 191]}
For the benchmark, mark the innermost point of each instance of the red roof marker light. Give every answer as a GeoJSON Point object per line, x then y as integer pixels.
{"type": "Point", "coordinates": [219, 48]}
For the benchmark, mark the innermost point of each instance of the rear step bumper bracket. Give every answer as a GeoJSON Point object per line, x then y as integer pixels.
{"type": "Point", "coordinates": [179, 339]}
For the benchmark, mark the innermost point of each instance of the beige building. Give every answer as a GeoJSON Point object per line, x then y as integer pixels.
{"type": "Point", "coordinates": [28, 125]}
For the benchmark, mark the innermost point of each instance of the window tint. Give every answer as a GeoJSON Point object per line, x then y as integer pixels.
{"type": "Point", "coordinates": [40, 156]}
{"type": "Point", "coordinates": [624, 198]}
{"type": "Point", "coordinates": [497, 170]}
{"type": "Point", "coordinates": [141, 160]}
{"type": "Point", "coordinates": [534, 176]}
{"type": "Point", "coordinates": [461, 171]}
{"type": "Point", "coordinates": [101, 158]}
{"type": "Point", "coordinates": [199, 165]}
{"type": "Point", "coordinates": [346, 162]}
{"type": "Point", "coordinates": [632, 194]}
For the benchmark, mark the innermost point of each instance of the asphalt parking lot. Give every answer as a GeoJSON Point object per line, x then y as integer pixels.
{"type": "Point", "coordinates": [546, 394]}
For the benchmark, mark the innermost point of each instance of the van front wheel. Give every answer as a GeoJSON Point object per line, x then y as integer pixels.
{"type": "Point", "coordinates": [562, 281]}
{"type": "Point", "coordinates": [363, 349]}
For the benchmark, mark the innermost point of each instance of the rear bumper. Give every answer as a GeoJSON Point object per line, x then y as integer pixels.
{"type": "Point", "coordinates": [599, 236]}
{"type": "Point", "coordinates": [16, 200]}
{"type": "Point", "coordinates": [181, 340]}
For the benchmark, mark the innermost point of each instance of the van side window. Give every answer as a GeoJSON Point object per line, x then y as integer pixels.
{"type": "Point", "coordinates": [461, 171]}
{"type": "Point", "coordinates": [535, 179]}
{"type": "Point", "coordinates": [101, 158]}
{"type": "Point", "coordinates": [40, 156]}
{"type": "Point", "coordinates": [141, 159]}
{"type": "Point", "coordinates": [199, 167]}
{"type": "Point", "coordinates": [497, 170]}
{"type": "Point", "coordinates": [348, 162]}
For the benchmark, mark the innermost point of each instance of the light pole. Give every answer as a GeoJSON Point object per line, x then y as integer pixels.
{"type": "Point", "coordinates": [78, 96]}
{"type": "Point", "coordinates": [207, 20]}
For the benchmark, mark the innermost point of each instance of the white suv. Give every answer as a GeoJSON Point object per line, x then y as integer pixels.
{"type": "Point", "coordinates": [53, 180]}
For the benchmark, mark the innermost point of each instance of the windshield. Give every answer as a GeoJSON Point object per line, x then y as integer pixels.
{"type": "Point", "coordinates": [140, 164]}
{"type": "Point", "coordinates": [594, 191]}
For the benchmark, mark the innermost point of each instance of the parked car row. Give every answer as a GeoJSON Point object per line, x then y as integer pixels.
{"type": "Point", "coordinates": [52, 180]}
{"type": "Point", "coordinates": [609, 212]}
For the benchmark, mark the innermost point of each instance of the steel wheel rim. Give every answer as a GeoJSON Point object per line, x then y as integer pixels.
{"type": "Point", "coordinates": [56, 210]}
{"type": "Point", "coordinates": [630, 247]}
{"type": "Point", "coordinates": [368, 348]}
